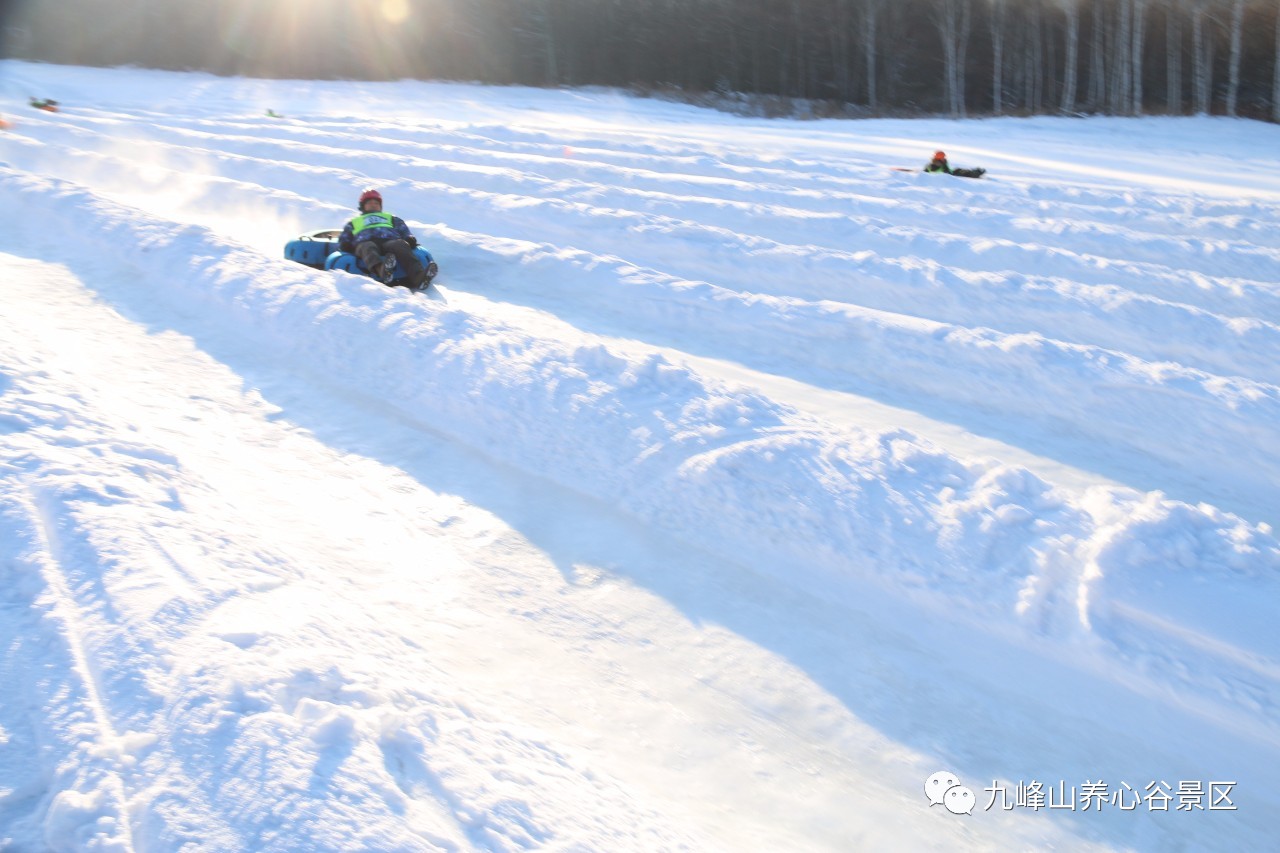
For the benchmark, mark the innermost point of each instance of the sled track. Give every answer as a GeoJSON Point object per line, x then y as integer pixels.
{"type": "Point", "coordinates": [905, 275]}
{"type": "Point", "coordinates": [748, 430]}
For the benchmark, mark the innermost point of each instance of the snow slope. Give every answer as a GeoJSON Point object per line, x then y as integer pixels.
{"type": "Point", "coordinates": [731, 486]}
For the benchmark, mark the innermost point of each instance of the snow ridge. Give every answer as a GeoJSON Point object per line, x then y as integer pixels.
{"type": "Point", "coordinates": [1067, 351]}
{"type": "Point", "coordinates": [716, 463]}
{"type": "Point", "coordinates": [1017, 437]}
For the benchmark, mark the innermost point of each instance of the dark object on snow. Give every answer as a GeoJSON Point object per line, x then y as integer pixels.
{"type": "Point", "coordinates": [939, 164]}
{"type": "Point", "coordinates": [46, 104]}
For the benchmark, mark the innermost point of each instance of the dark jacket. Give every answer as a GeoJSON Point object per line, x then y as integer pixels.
{"type": "Point", "coordinates": [936, 166]}
{"type": "Point", "coordinates": [374, 226]}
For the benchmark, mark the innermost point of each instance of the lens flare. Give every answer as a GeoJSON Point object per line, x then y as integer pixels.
{"type": "Point", "coordinates": [395, 11]}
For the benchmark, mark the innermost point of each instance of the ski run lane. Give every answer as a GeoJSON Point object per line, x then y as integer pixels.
{"type": "Point", "coordinates": [406, 656]}
{"type": "Point", "coordinates": [725, 492]}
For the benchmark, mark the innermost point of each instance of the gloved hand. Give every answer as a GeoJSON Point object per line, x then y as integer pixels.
{"type": "Point", "coordinates": [413, 242]}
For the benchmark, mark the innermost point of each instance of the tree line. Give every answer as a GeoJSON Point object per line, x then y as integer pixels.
{"type": "Point", "coordinates": [874, 57]}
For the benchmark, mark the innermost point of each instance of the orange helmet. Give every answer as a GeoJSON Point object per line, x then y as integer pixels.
{"type": "Point", "coordinates": [366, 196]}
{"type": "Point", "coordinates": [939, 155]}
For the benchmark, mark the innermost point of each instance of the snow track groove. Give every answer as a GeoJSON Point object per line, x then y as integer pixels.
{"type": "Point", "coordinates": [76, 746]}
{"type": "Point", "coordinates": [962, 235]}
{"type": "Point", "coordinates": [893, 325]}
{"type": "Point", "coordinates": [790, 212]}
{"type": "Point", "coordinates": [908, 330]}
{"type": "Point", "coordinates": [701, 460]}
{"type": "Point", "coordinates": [807, 476]}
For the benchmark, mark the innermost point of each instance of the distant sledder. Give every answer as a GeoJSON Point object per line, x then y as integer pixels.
{"type": "Point", "coordinates": [939, 164]}
{"type": "Point", "coordinates": [374, 243]}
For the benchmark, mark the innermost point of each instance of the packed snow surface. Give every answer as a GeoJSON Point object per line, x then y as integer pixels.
{"type": "Point", "coordinates": [731, 484]}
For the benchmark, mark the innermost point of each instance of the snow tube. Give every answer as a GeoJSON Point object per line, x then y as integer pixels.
{"type": "Point", "coordinates": [313, 248]}
{"type": "Point", "coordinates": [319, 249]}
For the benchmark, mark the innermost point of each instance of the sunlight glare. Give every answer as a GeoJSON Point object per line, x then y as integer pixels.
{"type": "Point", "coordinates": [395, 11]}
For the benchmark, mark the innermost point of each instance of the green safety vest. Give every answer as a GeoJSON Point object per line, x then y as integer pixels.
{"type": "Point", "coordinates": [371, 220]}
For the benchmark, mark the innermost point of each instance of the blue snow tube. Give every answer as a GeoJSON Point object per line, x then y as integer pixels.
{"type": "Point", "coordinates": [319, 249]}
{"type": "Point", "coordinates": [313, 248]}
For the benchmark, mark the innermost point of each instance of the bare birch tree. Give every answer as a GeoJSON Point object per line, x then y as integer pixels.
{"type": "Point", "coordinates": [1033, 57]}
{"type": "Point", "coordinates": [997, 18]}
{"type": "Point", "coordinates": [1173, 57]}
{"type": "Point", "coordinates": [1071, 9]}
{"type": "Point", "coordinates": [1097, 58]}
{"type": "Point", "coordinates": [870, 17]}
{"type": "Point", "coordinates": [1138, 34]}
{"type": "Point", "coordinates": [953, 19]}
{"type": "Point", "coordinates": [1233, 65]}
{"type": "Point", "coordinates": [1201, 57]}
{"type": "Point", "coordinates": [1119, 85]}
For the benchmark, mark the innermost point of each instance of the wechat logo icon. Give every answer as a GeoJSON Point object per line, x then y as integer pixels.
{"type": "Point", "coordinates": [944, 788]}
